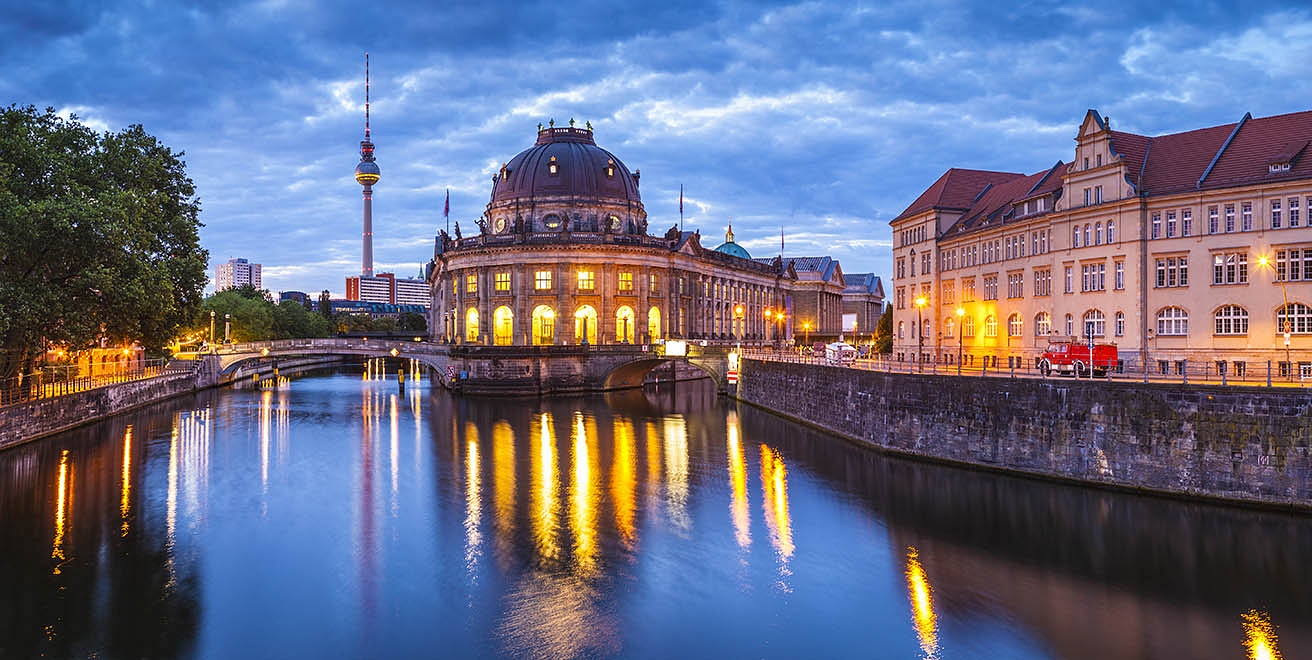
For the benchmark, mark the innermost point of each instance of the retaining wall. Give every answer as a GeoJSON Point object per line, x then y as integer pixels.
{"type": "Point", "coordinates": [27, 421]}
{"type": "Point", "coordinates": [1245, 444]}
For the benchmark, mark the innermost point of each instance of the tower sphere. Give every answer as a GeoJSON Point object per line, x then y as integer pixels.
{"type": "Point", "coordinates": [367, 173]}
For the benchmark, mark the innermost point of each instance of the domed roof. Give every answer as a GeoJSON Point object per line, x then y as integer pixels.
{"type": "Point", "coordinates": [565, 162]}
{"type": "Point", "coordinates": [731, 248]}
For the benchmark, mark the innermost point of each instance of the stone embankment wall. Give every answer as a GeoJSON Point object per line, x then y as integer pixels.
{"type": "Point", "coordinates": [1246, 444]}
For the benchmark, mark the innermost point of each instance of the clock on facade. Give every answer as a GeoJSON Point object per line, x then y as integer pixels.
{"type": "Point", "coordinates": [499, 225]}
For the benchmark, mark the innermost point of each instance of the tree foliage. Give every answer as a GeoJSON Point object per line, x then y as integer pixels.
{"type": "Point", "coordinates": [253, 317]}
{"type": "Point", "coordinates": [884, 333]}
{"type": "Point", "coordinates": [100, 237]}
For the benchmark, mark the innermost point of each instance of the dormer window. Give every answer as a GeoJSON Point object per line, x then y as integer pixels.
{"type": "Point", "coordinates": [610, 169]}
{"type": "Point", "coordinates": [553, 168]}
{"type": "Point", "coordinates": [1283, 160]}
{"type": "Point", "coordinates": [1277, 168]}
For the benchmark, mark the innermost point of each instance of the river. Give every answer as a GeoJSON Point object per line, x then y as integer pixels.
{"type": "Point", "coordinates": [337, 515]}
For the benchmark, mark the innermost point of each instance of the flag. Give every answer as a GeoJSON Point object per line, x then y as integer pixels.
{"type": "Point", "coordinates": [446, 210]}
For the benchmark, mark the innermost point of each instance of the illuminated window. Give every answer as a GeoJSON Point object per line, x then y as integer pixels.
{"type": "Point", "coordinates": [1094, 323]}
{"type": "Point", "coordinates": [587, 280]}
{"type": "Point", "coordinates": [585, 325]}
{"type": "Point", "coordinates": [542, 280]}
{"type": "Point", "coordinates": [626, 282]}
{"type": "Point", "coordinates": [654, 323]}
{"type": "Point", "coordinates": [610, 168]}
{"type": "Point", "coordinates": [503, 326]}
{"type": "Point", "coordinates": [455, 284]}
{"type": "Point", "coordinates": [990, 326]}
{"type": "Point", "coordinates": [1015, 326]}
{"type": "Point", "coordinates": [967, 326]}
{"type": "Point", "coordinates": [552, 167]}
{"type": "Point", "coordinates": [652, 281]}
{"type": "Point", "coordinates": [1042, 324]}
{"type": "Point", "coordinates": [1231, 320]}
{"type": "Point", "coordinates": [471, 284]}
{"type": "Point", "coordinates": [544, 326]}
{"type": "Point", "coordinates": [624, 322]}
{"type": "Point", "coordinates": [471, 325]}
{"type": "Point", "coordinates": [502, 281]}
{"type": "Point", "coordinates": [1296, 318]}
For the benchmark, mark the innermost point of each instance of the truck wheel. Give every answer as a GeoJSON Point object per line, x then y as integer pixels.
{"type": "Point", "coordinates": [1045, 367]}
{"type": "Point", "coordinates": [1079, 368]}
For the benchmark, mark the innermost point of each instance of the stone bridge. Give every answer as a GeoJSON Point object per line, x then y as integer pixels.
{"type": "Point", "coordinates": [507, 370]}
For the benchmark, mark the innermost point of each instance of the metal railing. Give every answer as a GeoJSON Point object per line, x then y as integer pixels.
{"type": "Point", "coordinates": [54, 381]}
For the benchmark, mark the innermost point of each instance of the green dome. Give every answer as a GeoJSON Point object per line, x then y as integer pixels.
{"type": "Point", "coordinates": [734, 249]}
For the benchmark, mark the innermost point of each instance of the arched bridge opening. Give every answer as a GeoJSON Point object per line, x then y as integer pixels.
{"type": "Point", "coordinates": [634, 374]}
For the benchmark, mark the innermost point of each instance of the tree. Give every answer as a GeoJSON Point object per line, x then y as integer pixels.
{"type": "Point", "coordinates": [325, 305]}
{"type": "Point", "coordinates": [412, 322]}
{"type": "Point", "coordinates": [292, 321]}
{"type": "Point", "coordinates": [100, 238]}
{"type": "Point", "coordinates": [884, 333]}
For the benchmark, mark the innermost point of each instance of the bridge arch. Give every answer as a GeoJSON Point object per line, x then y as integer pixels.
{"type": "Point", "coordinates": [634, 374]}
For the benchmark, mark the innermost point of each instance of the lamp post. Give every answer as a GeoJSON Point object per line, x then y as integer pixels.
{"type": "Point", "coordinates": [920, 328]}
{"type": "Point", "coordinates": [211, 331]}
{"type": "Point", "coordinates": [961, 336]}
{"type": "Point", "coordinates": [227, 328]}
{"type": "Point", "coordinates": [806, 332]}
{"type": "Point", "coordinates": [769, 321]}
{"type": "Point", "coordinates": [1263, 261]}
{"type": "Point", "coordinates": [739, 315]}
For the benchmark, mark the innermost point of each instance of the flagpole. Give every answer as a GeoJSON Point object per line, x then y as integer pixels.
{"type": "Point", "coordinates": [446, 210]}
{"type": "Point", "coordinates": [680, 208]}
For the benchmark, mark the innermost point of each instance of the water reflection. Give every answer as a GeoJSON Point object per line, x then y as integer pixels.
{"type": "Point", "coordinates": [583, 496]}
{"type": "Point", "coordinates": [544, 503]}
{"type": "Point", "coordinates": [125, 496]}
{"type": "Point", "coordinates": [473, 500]}
{"type": "Point", "coordinates": [774, 487]}
{"type": "Point", "coordinates": [1260, 636]}
{"type": "Point", "coordinates": [922, 606]}
{"type": "Point", "coordinates": [63, 500]}
{"type": "Point", "coordinates": [739, 510]}
{"type": "Point", "coordinates": [675, 439]}
{"type": "Point", "coordinates": [624, 481]}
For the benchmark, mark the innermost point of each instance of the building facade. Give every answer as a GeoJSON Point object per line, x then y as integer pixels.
{"type": "Point", "coordinates": [562, 256]}
{"type": "Point", "coordinates": [235, 273]}
{"type": "Point", "coordinates": [1188, 251]}
{"type": "Point", "coordinates": [863, 305]}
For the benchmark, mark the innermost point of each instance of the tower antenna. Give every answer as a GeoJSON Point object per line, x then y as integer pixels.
{"type": "Point", "coordinates": [366, 96]}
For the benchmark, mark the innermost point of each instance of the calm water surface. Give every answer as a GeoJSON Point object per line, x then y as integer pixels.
{"type": "Point", "coordinates": [340, 517]}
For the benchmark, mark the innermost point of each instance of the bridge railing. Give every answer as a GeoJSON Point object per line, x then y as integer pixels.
{"type": "Point", "coordinates": [61, 380]}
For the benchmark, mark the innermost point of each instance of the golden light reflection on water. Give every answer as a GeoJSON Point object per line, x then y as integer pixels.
{"type": "Point", "coordinates": [583, 496]}
{"type": "Point", "coordinates": [739, 509]}
{"type": "Point", "coordinates": [544, 504]}
{"type": "Point", "coordinates": [504, 483]}
{"type": "Point", "coordinates": [774, 487]}
{"type": "Point", "coordinates": [63, 509]}
{"type": "Point", "coordinates": [473, 499]}
{"type": "Point", "coordinates": [266, 423]}
{"type": "Point", "coordinates": [922, 605]}
{"type": "Point", "coordinates": [676, 471]}
{"type": "Point", "coordinates": [624, 481]}
{"type": "Point", "coordinates": [125, 497]}
{"type": "Point", "coordinates": [394, 448]}
{"type": "Point", "coordinates": [1260, 636]}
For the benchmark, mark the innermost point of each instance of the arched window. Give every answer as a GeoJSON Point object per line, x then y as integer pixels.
{"type": "Point", "coordinates": [924, 328]}
{"type": "Point", "coordinates": [1231, 320]}
{"type": "Point", "coordinates": [1070, 325]}
{"type": "Point", "coordinates": [1094, 324]}
{"type": "Point", "coordinates": [901, 327]}
{"type": "Point", "coordinates": [585, 325]}
{"type": "Point", "coordinates": [1042, 324]}
{"type": "Point", "coordinates": [624, 322]}
{"type": "Point", "coordinates": [949, 328]}
{"type": "Point", "coordinates": [654, 324]}
{"type": "Point", "coordinates": [1120, 324]}
{"type": "Point", "coordinates": [990, 326]}
{"type": "Point", "coordinates": [1097, 233]}
{"type": "Point", "coordinates": [1075, 236]}
{"type": "Point", "coordinates": [1088, 237]}
{"type": "Point", "coordinates": [967, 326]}
{"type": "Point", "coordinates": [913, 263]}
{"type": "Point", "coordinates": [1296, 318]}
{"type": "Point", "coordinates": [471, 325]}
{"type": "Point", "coordinates": [1172, 321]}
{"type": "Point", "coordinates": [503, 326]}
{"type": "Point", "coordinates": [1111, 231]}
{"type": "Point", "coordinates": [544, 326]}
{"type": "Point", "coordinates": [1015, 326]}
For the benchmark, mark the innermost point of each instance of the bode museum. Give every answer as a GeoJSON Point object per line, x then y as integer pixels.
{"type": "Point", "coordinates": [562, 257]}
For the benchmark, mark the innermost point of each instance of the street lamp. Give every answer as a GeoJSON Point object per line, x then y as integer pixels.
{"type": "Point", "coordinates": [961, 336]}
{"type": "Point", "coordinates": [1289, 366]}
{"type": "Point", "coordinates": [920, 327]}
{"type": "Point", "coordinates": [739, 315]}
{"type": "Point", "coordinates": [806, 332]}
{"type": "Point", "coordinates": [211, 331]}
{"type": "Point", "coordinates": [227, 328]}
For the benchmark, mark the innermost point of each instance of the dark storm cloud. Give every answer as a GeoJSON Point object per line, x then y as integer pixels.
{"type": "Point", "coordinates": [823, 120]}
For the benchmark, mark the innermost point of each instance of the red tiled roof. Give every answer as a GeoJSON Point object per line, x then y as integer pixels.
{"type": "Point", "coordinates": [1132, 148]}
{"type": "Point", "coordinates": [1254, 147]}
{"type": "Point", "coordinates": [956, 190]}
{"type": "Point", "coordinates": [1178, 160]}
{"type": "Point", "coordinates": [998, 199]}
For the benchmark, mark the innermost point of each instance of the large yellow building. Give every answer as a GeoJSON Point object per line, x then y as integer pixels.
{"type": "Point", "coordinates": [1189, 251]}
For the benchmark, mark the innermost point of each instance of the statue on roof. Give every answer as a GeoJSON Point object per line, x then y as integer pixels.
{"type": "Point", "coordinates": [458, 230]}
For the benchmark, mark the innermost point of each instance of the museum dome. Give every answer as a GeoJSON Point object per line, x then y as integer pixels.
{"type": "Point", "coordinates": [731, 248]}
{"type": "Point", "coordinates": [565, 163]}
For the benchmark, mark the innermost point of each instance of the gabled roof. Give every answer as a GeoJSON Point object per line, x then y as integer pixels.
{"type": "Point", "coordinates": [991, 208]}
{"type": "Point", "coordinates": [1177, 161]}
{"type": "Point", "coordinates": [863, 284]}
{"type": "Point", "coordinates": [1257, 144]}
{"type": "Point", "coordinates": [956, 190]}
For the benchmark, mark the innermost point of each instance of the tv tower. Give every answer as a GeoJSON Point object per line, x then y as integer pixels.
{"type": "Point", "coordinates": [366, 174]}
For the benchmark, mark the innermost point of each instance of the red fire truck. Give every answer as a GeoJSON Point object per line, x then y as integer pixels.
{"type": "Point", "coordinates": [1077, 359]}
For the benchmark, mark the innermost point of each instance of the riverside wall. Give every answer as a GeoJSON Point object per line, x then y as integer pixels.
{"type": "Point", "coordinates": [1241, 444]}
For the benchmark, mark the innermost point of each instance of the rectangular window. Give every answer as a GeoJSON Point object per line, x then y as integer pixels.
{"type": "Point", "coordinates": [1157, 225]}
{"type": "Point", "coordinates": [542, 280]}
{"type": "Point", "coordinates": [1172, 272]}
{"type": "Point", "coordinates": [471, 284]}
{"type": "Point", "coordinates": [1187, 222]}
{"type": "Point", "coordinates": [626, 282]}
{"type": "Point", "coordinates": [949, 293]}
{"type": "Point", "coordinates": [1016, 285]}
{"type": "Point", "coordinates": [1230, 268]}
{"type": "Point", "coordinates": [1088, 195]}
{"type": "Point", "coordinates": [587, 280]}
{"type": "Point", "coordinates": [1097, 194]}
{"type": "Point", "coordinates": [968, 290]}
{"type": "Point", "coordinates": [1069, 279]}
{"type": "Point", "coordinates": [990, 287]}
{"type": "Point", "coordinates": [1043, 282]}
{"type": "Point", "coordinates": [1293, 211]}
{"type": "Point", "coordinates": [1246, 216]}
{"type": "Point", "coordinates": [1229, 218]}
{"type": "Point", "coordinates": [1211, 220]}
{"type": "Point", "coordinates": [1093, 277]}
{"type": "Point", "coordinates": [1170, 224]}
{"type": "Point", "coordinates": [1275, 214]}
{"type": "Point", "coordinates": [1120, 275]}
{"type": "Point", "coordinates": [502, 282]}
{"type": "Point", "coordinates": [652, 281]}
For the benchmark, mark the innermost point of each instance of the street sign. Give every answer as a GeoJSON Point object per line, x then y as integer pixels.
{"type": "Point", "coordinates": [733, 376]}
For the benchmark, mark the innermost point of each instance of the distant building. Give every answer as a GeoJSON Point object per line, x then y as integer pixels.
{"type": "Point", "coordinates": [380, 288]}
{"type": "Point", "coordinates": [298, 296]}
{"type": "Point", "coordinates": [235, 273]}
{"type": "Point", "coordinates": [375, 310]}
{"type": "Point", "coordinates": [863, 303]}
{"type": "Point", "coordinates": [410, 291]}
{"type": "Point", "coordinates": [817, 296]}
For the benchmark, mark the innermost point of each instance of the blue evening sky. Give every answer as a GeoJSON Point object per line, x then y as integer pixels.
{"type": "Point", "coordinates": [823, 119]}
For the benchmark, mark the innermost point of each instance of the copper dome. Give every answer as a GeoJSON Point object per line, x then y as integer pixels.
{"type": "Point", "coordinates": [565, 163]}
